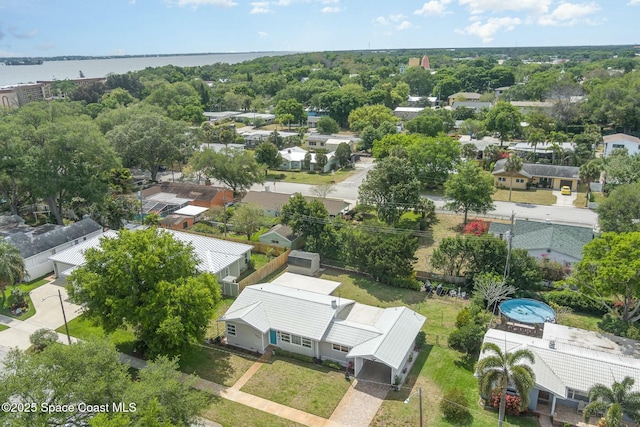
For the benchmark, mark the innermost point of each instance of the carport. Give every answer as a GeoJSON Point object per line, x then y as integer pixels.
{"type": "Point", "coordinates": [374, 371]}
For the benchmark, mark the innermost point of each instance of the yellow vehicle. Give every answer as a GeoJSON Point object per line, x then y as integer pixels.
{"type": "Point", "coordinates": [565, 190]}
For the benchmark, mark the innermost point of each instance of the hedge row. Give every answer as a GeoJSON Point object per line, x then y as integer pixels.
{"type": "Point", "coordinates": [576, 301]}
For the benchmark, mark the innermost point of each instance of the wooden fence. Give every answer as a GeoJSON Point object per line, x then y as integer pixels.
{"type": "Point", "coordinates": [258, 275]}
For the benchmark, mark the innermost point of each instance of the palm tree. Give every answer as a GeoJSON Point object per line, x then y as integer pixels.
{"type": "Point", "coordinates": [512, 166]}
{"type": "Point", "coordinates": [11, 267]}
{"type": "Point", "coordinates": [614, 402]}
{"type": "Point", "coordinates": [589, 173]}
{"type": "Point", "coordinates": [502, 369]}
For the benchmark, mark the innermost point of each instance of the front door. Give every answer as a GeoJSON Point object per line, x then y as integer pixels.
{"type": "Point", "coordinates": [273, 338]}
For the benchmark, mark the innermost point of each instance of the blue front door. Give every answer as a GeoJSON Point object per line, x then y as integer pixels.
{"type": "Point", "coordinates": [273, 338]}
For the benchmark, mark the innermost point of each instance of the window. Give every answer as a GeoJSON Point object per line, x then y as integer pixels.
{"type": "Point", "coordinates": [306, 342]}
{"type": "Point", "coordinates": [285, 337]}
{"type": "Point", "coordinates": [231, 329]}
{"type": "Point", "coordinates": [577, 395]}
{"type": "Point", "coordinates": [341, 348]}
{"type": "Point", "coordinates": [617, 146]}
{"type": "Point", "coordinates": [185, 225]}
{"type": "Point", "coordinates": [296, 340]}
{"type": "Point", "coordinates": [519, 180]}
{"type": "Point", "coordinates": [275, 242]}
{"type": "Point", "coordinates": [502, 179]}
{"type": "Point", "coordinates": [312, 143]}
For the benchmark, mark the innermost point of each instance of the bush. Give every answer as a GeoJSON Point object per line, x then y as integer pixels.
{"type": "Point", "coordinates": [463, 318]}
{"type": "Point", "coordinates": [614, 325]}
{"type": "Point", "coordinates": [17, 299]}
{"type": "Point", "coordinates": [553, 271]}
{"type": "Point", "coordinates": [476, 227]}
{"type": "Point", "coordinates": [513, 402]}
{"type": "Point", "coordinates": [204, 228]}
{"type": "Point", "coordinates": [421, 339]}
{"type": "Point", "coordinates": [576, 301]}
{"type": "Point", "coordinates": [332, 364]}
{"type": "Point", "coordinates": [454, 406]}
{"type": "Point", "coordinates": [42, 338]}
{"type": "Point", "coordinates": [467, 339]}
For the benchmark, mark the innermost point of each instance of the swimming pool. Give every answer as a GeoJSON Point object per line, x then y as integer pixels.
{"type": "Point", "coordinates": [527, 311]}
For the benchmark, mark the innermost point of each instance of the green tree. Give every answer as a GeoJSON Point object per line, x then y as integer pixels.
{"type": "Point", "coordinates": [248, 219]}
{"type": "Point", "coordinates": [291, 111]}
{"type": "Point", "coordinates": [391, 186]}
{"type": "Point", "coordinates": [148, 281]}
{"type": "Point", "coordinates": [180, 101]}
{"type": "Point", "coordinates": [43, 338]}
{"type": "Point", "coordinates": [343, 154]}
{"type": "Point", "coordinates": [512, 166]}
{"type": "Point", "coordinates": [321, 160]}
{"type": "Point", "coordinates": [469, 190]}
{"type": "Point", "coordinates": [149, 139]}
{"type": "Point", "coordinates": [11, 267]}
{"type": "Point", "coordinates": [305, 217]}
{"type": "Point", "coordinates": [620, 168]}
{"type": "Point", "coordinates": [426, 124]}
{"type": "Point", "coordinates": [610, 269]}
{"type": "Point", "coordinates": [268, 155]}
{"type": "Point", "coordinates": [236, 168]}
{"type": "Point", "coordinates": [326, 125]}
{"type": "Point", "coordinates": [370, 115]}
{"type": "Point", "coordinates": [589, 173]}
{"type": "Point", "coordinates": [500, 370]}
{"type": "Point", "coordinates": [114, 210]}
{"type": "Point", "coordinates": [614, 402]}
{"type": "Point", "coordinates": [469, 151]}
{"type": "Point", "coordinates": [504, 119]}
{"type": "Point", "coordinates": [621, 210]}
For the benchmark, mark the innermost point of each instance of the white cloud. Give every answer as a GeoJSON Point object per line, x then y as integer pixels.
{"type": "Point", "coordinates": [433, 7]}
{"type": "Point", "coordinates": [398, 17]}
{"type": "Point", "coordinates": [260, 7]}
{"type": "Point", "coordinates": [330, 9]}
{"type": "Point", "coordinates": [633, 2]}
{"type": "Point", "coordinates": [404, 25]}
{"type": "Point", "coordinates": [263, 35]}
{"type": "Point", "coordinates": [196, 3]}
{"type": "Point", "coordinates": [481, 6]}
{"type": "Point", "coordinates": [569, 14]}
{"type": "Point", "coordinates": [381, 20]}
{"type": "Point", "coordinates": [488, 29]}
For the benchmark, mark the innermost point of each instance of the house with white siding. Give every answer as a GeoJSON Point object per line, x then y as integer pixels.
{"type": "Point", "coordinates": [301, 318]}
{"type": "Point", "coordinates": [619, 141]}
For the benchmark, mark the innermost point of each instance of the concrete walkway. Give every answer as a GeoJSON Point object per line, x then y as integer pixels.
{"type": "Point", "coordinates": [252, 370]}
{"type": "Point", "coordinates": [360, 404]}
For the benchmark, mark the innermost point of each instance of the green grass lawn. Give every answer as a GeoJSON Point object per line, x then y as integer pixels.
{"type": "Point", "coordinates": [537, 197]}
{"type": "Point", "coordinates": [26, 288]}
{"type": "Point", "coordinates": [306, 177]}
{"type": "Point", "coordinates": [581, 199]}
{"type": "Point", "coordinates": [310, 388]}
{"type": "Point", "coordinates": [82, 328]}
{"type": "Point", "coordinates": [215, 365]}
{"type": "Point", "coordinates": [232, 414]}
{"type": "Point", "coordinates": [3, 327]}
{"type": "Point", "coordinates": [259, 260]}
{"type": "Point", "coordinates": [582, 321]}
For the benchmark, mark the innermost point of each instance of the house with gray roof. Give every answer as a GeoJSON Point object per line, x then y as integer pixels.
{"type": "Point", "coordinates": [273, 202]}
{"type": "Point", "coordinates": [376, 342]}
{"type": "Point", "coordinates": [282, 235]}
{"type": "Point", "coordinates": [568, 362]}
{"type": "Point", "coordinates": [544, 240]}
{"type": "Point", "coordinates": [220, 257]}
{"type": "Point", "coordinates": [37, 244]}
{"type": "Point", "coordinates": [537, 174]}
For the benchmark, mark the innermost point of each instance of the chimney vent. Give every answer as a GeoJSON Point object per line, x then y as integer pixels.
{"type": "Point", "coordinates": [334, 304]}
{"type": "Point", "coordinates": [552, 345]}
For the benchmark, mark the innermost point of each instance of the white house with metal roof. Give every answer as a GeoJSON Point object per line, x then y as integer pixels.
{"type": "Point", "coordinates": [219, 257]}
{"type": "Point", "coordinates": [569, 361]}
{"type": "Point", "coordinates": [376, 342]}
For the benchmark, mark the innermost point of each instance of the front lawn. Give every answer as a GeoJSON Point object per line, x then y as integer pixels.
{"type": "Point", "coordinates": [82, 328]}
{"type": "Point", "coordinates": [533, 196]}
{"type": "Point", "coordinates": [581, 199]}
{"type": "Point", "coordinates": [25, 288]}
{"type": "Point", "coordinates": [304, 386]}
{"type": "Point", "coordinates": [304, 177]}
{"type": "Point", "coordinates": [230, 413]}
{"type": "Point", "coordinates": [3, 327]}
{"type": "Point", "coordinates": [215, 365]}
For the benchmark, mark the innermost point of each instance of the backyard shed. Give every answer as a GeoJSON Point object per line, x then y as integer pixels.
{"type": "Point", "coordinates": [307, 263]}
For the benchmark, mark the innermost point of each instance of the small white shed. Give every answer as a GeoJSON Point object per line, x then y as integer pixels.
{"type": "Point", "coordinates": [307, 263]}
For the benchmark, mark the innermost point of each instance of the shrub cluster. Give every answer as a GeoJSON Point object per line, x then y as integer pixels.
{"type": "Point", "coordinates": [455, 406]}
{"type": "Point", "coordinates": [332, 364]}
{"type": "Point", "coordinates": [513, 402]}
{"type": "Point", "coordinates": [297, 356]}
{"type": "Point", "coordinates": [576, 301]}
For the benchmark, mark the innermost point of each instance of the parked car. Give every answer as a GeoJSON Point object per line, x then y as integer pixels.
{"type": "Point", "coordinates": [565, 190]}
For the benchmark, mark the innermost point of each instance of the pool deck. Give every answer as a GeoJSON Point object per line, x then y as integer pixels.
{"type": "Point", "coordinates": [519, 328]}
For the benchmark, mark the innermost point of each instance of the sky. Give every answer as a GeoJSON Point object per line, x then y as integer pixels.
{"type": "Point", "coordinates": [48, 28]}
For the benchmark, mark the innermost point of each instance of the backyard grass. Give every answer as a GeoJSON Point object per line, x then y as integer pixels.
{"type": "Point", "coordinates": [25, 288]}
{"type": "Point", "coordinates": [259, 260]}
{"type": "Point", "coordinates": [582, 321]}
{"type": "Point", "coordinates": [306, 177]}
{"type": "Point", "coordinates": [304, 386]}
{"type": "Point", "coordinates": [445, 226]}
{"type": "Point", "coordinates": [232, 414]}
{"type": "Point", "coordinates": [534, 196]}
{"type": "Point", "coordinates": [215, 365]}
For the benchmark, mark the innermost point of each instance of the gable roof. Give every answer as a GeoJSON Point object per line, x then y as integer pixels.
{"type": "Point", "coordinates": [42, 239]}
{"type": "Point", "coordinates": [181, 190]}
{"type": "Point", "coordinates": [620, 137]}
{"type": "Point", "coordinates": [578, 360]}
{"type": "Point", "coordinates": [538, 169]}
{"type": "Point", "coordinates": [275, 201]}
{"type": "Point", "coordinates": [213, 254]}
{"type": "Point", "coordinates": [530, 235]}
{"type": "Point", "coordinates": [381, 334]}
{"type": "Point", "coordinates": [465, 95]}
{"type": "Point", "coordinates": [283, 231]}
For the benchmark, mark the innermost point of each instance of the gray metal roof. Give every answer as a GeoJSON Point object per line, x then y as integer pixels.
{"type": "Point", "coordinates": [542, 170]}
{"type": "Point", "coordinates": [529, 235]}
{"type": "Point", "coordinates": [33, 242]}
{"type": "Point", "coordinates": [579, 360]}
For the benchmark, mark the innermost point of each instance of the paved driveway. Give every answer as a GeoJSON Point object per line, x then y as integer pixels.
{"type": "Point", "coordinates": [564, 200]}
{"type": "Point", "coordinates": [47, 304]}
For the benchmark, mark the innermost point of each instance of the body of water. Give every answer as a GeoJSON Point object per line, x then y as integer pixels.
{"type": "Point", "coordinates": [61, 70]}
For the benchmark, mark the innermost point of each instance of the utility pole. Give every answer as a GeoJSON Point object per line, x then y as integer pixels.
{"type": "Point", "coordinates": [510, 238]}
